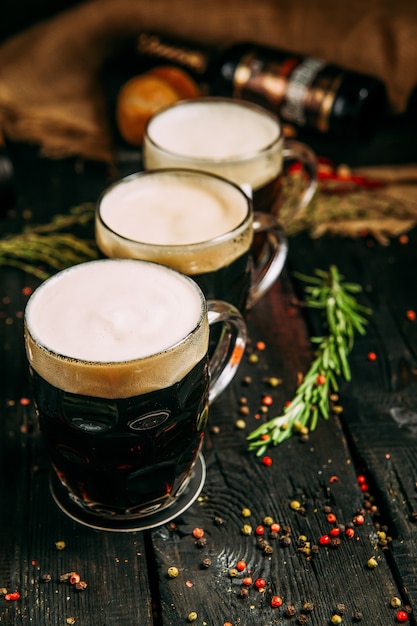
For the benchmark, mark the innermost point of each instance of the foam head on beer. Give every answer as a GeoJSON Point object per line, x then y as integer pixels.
{"type": "Point", "coordinates": [192, 221]}
{"type": "Point", "coordinates": [235, 139]}
{"type": "Point", "coordinates": [115, 328]}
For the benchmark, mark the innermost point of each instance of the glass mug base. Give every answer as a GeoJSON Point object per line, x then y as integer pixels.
{"type": "Point", "coordinates": [152, 519]}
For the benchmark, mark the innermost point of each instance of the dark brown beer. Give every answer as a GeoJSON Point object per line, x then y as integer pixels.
{"type": "Point", "coordinates": [128, 456]}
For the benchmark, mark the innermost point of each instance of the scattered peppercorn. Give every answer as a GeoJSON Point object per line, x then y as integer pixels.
{"type": "Point", "coordinates": [244, 592]}
{"type": "Point", "coordinates": [402, 616]}
{"type": "Point", "coordinates": [13, 596]}
{"type": "Point", "coordinates": [80, 586]}
{"type": "Point", "coordinates": [240, 424]}
{"type": "Point", "coordinates": [260, 583]}
{"type": "Point", "coordinates": [246, 512]}
{"type": "Point", "coordinates": [46, 578]}
{"type": "Point", "coordinates": [302, 619]}
{"type": "Point", "coordinates": [411, 315]}
{"type": "Point", "coordinates": [357, 616]}
{"type": "Point", "coordinates": [324, 540]}
{"type": "Point", "coordinates": [201, 542]}
{"type": "Point", "coordinates": [247, 581]}
{"type": "Point", "coordinates": [290, 610]}
{"type": "Point", "coordinates": [295, 505]}
{"type": "Point", "coordinates": [192, 616]}
{"type": "Point", "coordinates": [267, 461]}
{"type": "Point", "coordinates": [198, 532]}
{"type": "Point", "coordinates": [218, 520]}
{"type": "Point", "coordinates": [260, 530]}
{"type": "Point", "coordinates": [173, 572]}
{"type": "Point", "coordinates": [340, 609]}
{"type": "Point", "coordinates": [395, 602]}
{"type": "Point", "coordinates": [275, 527]}
{"type": "Point", "coordinates": [206, 563]}
{"type": "Point", "coordinates": [336, 619]}
{"type": "Point", "coordinates": [233, 572]}
{"type": "Point", "coordinates": [241, 566]}
{"type": "Point", "coordinates": [308, 607]}
{"type": "Point", "coordinates": [276, 601]}
{"type": "Point", "coordinates": [371, 356]}
{"type": "Point", "coordinates": [372, 563]}
{"type": "Point", "coordinates": [60, 545]}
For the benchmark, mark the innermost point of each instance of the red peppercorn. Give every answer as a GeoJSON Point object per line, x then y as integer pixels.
{"type": "Point", "coordinates": [361, 478]}
{"type": "Point", "coordinates": [240, 566]}
{"type": "Point", "coordinates": [275, 527]}
{"type": "Point", "coordinates": [350, 533]}
{"type": "Point", "coordinates": [411, 315]}
{"type": "Point", "coordinates": [331, 518]}
{"type": "Point", "coordinates": [260, 583]}
{"type": "Point", "coordinates": [198, 533]}
{"type": "Point", "coordinates": [371, 356]}
{"type": "Point", "coordinates": [267, 400]}
{"type": "Point", "coordinates": [259, 530]}
{"type": "Point", "coordinates": [364, 487]}
{"type": "Point", "coordinates": [324, 540]}
{"type": "Point", "coordinates": [267, 461]}
{"type": "Point", "coordinates": [260, 345]}
{"type": "Point", "coordinates": [14, 595]}
{"type": "Point", "coordinates": [358, 520]}
{"type": "Point", "coordinates": [402, 616]}
{"type": "Point", "coordinates": [247, 581]}
{"type": "Point", "coordinates": [335, 532]}
{"type": "Point", "coordinates": [276, 601]}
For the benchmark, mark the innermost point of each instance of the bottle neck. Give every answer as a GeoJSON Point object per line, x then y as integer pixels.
{"type": "Point", "coordinates": [195, 59]}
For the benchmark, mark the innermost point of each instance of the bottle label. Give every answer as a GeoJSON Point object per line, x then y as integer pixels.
{"type": "Point", "coordinates": [300, 81]}
{"type": "Point", "coordinates": [300, 90]}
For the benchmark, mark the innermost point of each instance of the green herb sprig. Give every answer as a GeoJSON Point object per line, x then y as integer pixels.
{"type": "Point", "coordinates": [41, 250]}
{"type": "Point", "coordinates": [344, 317]}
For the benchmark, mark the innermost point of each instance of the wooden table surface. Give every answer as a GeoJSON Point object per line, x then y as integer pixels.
{"type": "Point", "coordinates": [374, 437]}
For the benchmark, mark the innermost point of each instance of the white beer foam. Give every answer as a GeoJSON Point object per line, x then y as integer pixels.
{"type": "Point", "coordinates": [172, 210]}
{"type": "Point", "coordinates": [109, 328]}
{"type": "Point", "coordinates": [239, 142]}
{"type": "Point", "coordinates": [190, 221]}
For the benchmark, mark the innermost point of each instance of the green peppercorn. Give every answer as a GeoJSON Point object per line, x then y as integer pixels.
{"type": "Point", "coordinates": [246, 529]}
{"type": "Point", "coordinates": [240, 424]}
{"type": "Point", "coordinates": [395, 602]}
{"type": "Point", "coordinates": [233, 572]}
{"type": "Point", "coordinates": [372, 563]}
{"type": "Point", "coordinates": [295, 505]}
{"type": "Point", "coordinates": [192, 616]}
{"type": "Point", "coordinates": [336, 619]}
{"type": "Point", "coordinates": [246, 512]}
{"type": "Point", "coordinates": [173, 572]}
{"type": "Point", "coordinates": [268, 521]}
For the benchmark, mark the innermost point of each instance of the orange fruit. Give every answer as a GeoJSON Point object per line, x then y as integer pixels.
{"type": "Point", "coordinates": [179, 80]}
{"type": "Point", "coordinates": [137, 100]}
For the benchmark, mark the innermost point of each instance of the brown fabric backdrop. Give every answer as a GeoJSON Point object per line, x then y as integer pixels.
{"type": "Point", "coordinates": [49, 87]}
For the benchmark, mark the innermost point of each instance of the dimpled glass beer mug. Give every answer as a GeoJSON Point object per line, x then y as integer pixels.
{"type": "Point", "coordinates": [197, 223]}
{"type": "Point", "coordinates": [236, 139]}
{"type": "Point", "coordinates": [122, 381]}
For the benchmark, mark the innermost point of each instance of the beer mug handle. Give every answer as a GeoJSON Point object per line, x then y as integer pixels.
{"type": "Point", "coordinates": [271, 258]}
{"type": "Point", "coordinates": [297, 152]}
{"type": "Point", "coordinates": [228, 351]}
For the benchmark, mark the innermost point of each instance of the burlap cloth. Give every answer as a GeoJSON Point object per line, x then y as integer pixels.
{"type": "Point", "coordinates": [51, 94]}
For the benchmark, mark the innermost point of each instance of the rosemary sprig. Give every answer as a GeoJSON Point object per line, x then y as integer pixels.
{"type": "Point", "coordinates": [43, 249]}
{"type": "Point", "coordinates": [344, 317]}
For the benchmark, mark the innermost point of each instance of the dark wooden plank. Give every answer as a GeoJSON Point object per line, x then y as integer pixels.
{"type": "Point", "coordinates": [302, 472]}
{"type": "Point", "coordinates": [379, 418]}
{"type": "Point", "coordinates": [114, 566]}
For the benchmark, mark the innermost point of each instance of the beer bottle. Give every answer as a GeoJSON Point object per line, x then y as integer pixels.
{"type": "Point", "coordinates": [304, 91]}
